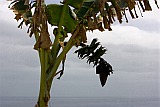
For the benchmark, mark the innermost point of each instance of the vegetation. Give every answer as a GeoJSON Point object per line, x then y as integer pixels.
{"type": "Point", "coordinates": [71, 19]}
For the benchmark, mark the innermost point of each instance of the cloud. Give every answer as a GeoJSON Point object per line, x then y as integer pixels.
{"type": "Point", "coordinates": [133, 58]}
{"type": "Point", "coordinates": [127, 35]}
{"type": "Point", "coordinates": [148, 25]}
{"type": "Point", "coordinates": [149, 22]}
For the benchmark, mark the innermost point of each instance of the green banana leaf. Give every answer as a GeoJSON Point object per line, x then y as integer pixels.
{"type": "Point", "coordinates": [54, 12]}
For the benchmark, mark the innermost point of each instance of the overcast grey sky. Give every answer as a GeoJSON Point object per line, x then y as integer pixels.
{"type": "Point", "coordinates": [133, 51]}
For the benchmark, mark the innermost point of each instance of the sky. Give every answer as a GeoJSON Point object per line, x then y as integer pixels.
{"type": "Point", "coordinates": [133, 51]}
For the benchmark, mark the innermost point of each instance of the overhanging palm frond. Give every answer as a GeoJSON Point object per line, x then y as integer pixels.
{"type": "Point", "coordinates": [95, 12]}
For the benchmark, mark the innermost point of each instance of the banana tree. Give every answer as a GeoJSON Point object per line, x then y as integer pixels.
{"type": "Point", "coordinates": [70, 20]}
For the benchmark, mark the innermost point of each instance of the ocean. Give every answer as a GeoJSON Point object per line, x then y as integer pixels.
{"type": "Point", "coordinates": [82, 102]}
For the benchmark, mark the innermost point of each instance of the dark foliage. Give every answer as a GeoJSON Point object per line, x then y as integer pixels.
{"type": "Point", "coordinates": [93, 54]}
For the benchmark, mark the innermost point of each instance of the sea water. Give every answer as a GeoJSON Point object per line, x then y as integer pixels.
{"type": "Point", "coordinates": [82, 102]}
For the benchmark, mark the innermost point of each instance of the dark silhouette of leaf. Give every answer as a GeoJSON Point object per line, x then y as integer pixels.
{"type": "Point", "coordinates": [103, 78]}
{"type": "Point", "coordinates": [82, 34]}
{"type": "Point", "coordinates": [62, 71]}
{"type": "Point", "coordinates": [147, 5]}
{"type": "Point", "coordinates": [84, 9]}
{"type": "Point", "coordinates": [94, 41]}
{"type": "Point", "coordinates": [104, 69]}
{"type": "Point", "coordinates": [135, 12]}
{"type": "Point", "coordinates": [92, 52]}
{"type": "Point", "coordinates": [20, 7]}
{"type": "Point", "coordinates": [100, 27]}
{"type": "Point", "coordinates": [156, 4]}
{"type": "Point", "coordinates": [132, 15]}
{"type": "Point", "coordinates": [118, 10]}
{"type": "Point", "coordinates": [90, 23]}
{"type": "Point", "coordinates": [141, 5]}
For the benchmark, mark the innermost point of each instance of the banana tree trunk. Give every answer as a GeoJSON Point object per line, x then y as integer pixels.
{"type": "Point", "coordinates": [46, 59]}
{"type": "Point", "coordinates": [44, 92]}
